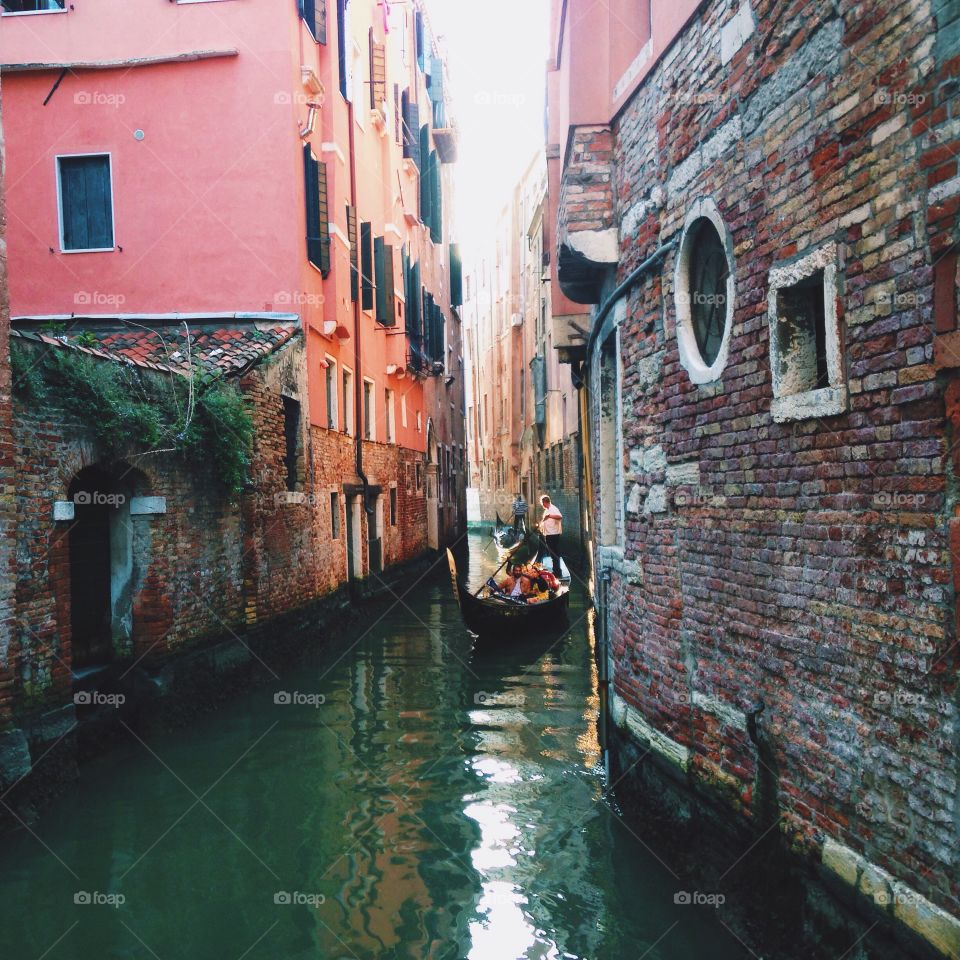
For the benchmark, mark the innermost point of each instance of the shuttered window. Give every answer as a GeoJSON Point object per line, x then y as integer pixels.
{"type": "Point", "coordinates": [411, 128]}
{"type": "Point", "coordinates": [318, 214]}
{"type": "Point", "coordinates": [420, 38]}
{"type": "Point", "coordinates": [342, 62]}
{"type": "Point", "coordinates": [426, 185]}
{"type": "Point", "coordinates": [366, 266]}
{"type": "Point", "coordinates": [354, 254]}
{"type": "Point", "coordinates": [456, 276]}
{"type": "Point", "coordinates": [436, 202]}
{"type": "Point", "coordinates": [383, 270]}
{"type": "Point", "coordinates": [378, 74]}
{"type": "Point", "coordinates": [397, 117]}
{"type": "Point", "coordinates": [86, 203]}
{"type": "Point", "coordinates": [314, 15]}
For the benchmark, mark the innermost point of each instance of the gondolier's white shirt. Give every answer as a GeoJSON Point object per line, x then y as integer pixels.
{"type": "Point", "coordinates": [552, 523]}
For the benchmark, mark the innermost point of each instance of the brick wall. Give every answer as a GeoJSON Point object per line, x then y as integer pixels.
{"type": "Point", "coordinates": [805, 564]}
{"type": "Point", "coordinates": [211, 564]}
{"type": "Point", "coordinates": [7, 509]}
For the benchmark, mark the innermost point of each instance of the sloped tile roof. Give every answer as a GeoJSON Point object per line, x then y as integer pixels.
{"type": "Point", "coordinates": [219, 349]}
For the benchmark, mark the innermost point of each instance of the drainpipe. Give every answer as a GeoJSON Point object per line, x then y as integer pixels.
{"type": "Point", "coordinates": [581, 380]}
{"type": "Point", "coordinates": [358, 376]}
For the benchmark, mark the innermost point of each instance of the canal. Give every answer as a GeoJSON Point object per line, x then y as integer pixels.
{"type": "Point", "coordinates": [404, 796]}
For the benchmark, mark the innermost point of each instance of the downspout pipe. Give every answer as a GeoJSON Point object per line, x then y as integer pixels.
{"type": "Point", "coordinates": [358, 376]}
{"type": "Point", "coordinates": [622, 289]}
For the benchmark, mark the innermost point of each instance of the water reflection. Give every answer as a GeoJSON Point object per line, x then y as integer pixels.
{"type": "Point", "coordinates": [443, 802]}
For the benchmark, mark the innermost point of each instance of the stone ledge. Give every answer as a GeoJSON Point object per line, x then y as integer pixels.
{"type": "Point", "coordinates": [630, 720]}
{"type": "Point", "coordinates": [934, 925]}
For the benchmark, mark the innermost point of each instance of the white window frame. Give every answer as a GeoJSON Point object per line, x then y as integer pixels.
{"type": "Point", "coordinates": [333, 372]}
{"type": "Point", "coordinates": [33, 13]}
{"type": "Point", "coordinates": [349, 416]}
{"type": "Point", "coordinates": [370, 424]}
{"type": "Point", "coordinates": [113, 208]}
{"type": "Point", "coordinates": [690, 357]}
{"type": "Point", "coordinates": [390, 407]}
{"type": "Point", "coordinates": [820, 401]}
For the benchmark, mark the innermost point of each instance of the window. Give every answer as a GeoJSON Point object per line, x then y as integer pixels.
{"type": "Point", "coordinates": [419, 422]}
{"type": "Point", "coordinates": [383, 275]}
{"type": "Point", "coordinates": [343, 60]}
{"type": "Point", "coordinates": [366, 266]}
{"type": "Point", "coordinates": [393, 506]}
{"type": "Point", "coordinates": [369, 412]}
{"type": "Point", "coordinates": [348, 401]}
{"type": "Point", "coordinates": [317, 211]}
{"type": "Point", "coordinates": [86, 202]}
{"type": "Point", "coordinates": [354, 253]}
{"type": "Point", "coordinates": [331, 391]}
{"type": "Point", "coordinates": [334, 515]}
{"type": "Point", "coordinates": [419, 475]}
{"type": "Point", "coordinates": [403, 411]}
{"type": "Point", "coordinates": [703, 293]}
{"type": "Point", "coordinates": [314, 15]}
{"type": "Point", "coordinates": [390, 421]}
{"type": "Point", "coordinates": [33, 6]}
{"type": "Point", "coordinates": [378, 74]}
{"type": "Point", "coordinates": [291, 434]}
{"type": "Point", "coordinates": [805, 352]}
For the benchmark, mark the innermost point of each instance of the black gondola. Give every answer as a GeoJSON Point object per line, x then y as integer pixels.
{"type": "Point", "coordinates": [490, 616]}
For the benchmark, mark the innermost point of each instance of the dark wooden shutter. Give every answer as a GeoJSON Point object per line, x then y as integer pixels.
{"type": "Point", "coordinates": [426, 185]}
{"type": "Point", "coordinates": [311, 187]}
{"type": "Point", "coordinates": [380, 280]}
{"type": "Point", "coordinates": [436, 202]}
{"type": "Point", "coordinates": [411, 128]}
{"type": "Point", "coordinates": [342, 47]}
{"type": "Point", "coordinates": [418, 30]}
{"type": "Point", "coordinates": [456, 276]}
{"type": "Point", "coordinates": [389, 289]}
{"type": "Point", "coordinates": [86, 202]}
{"type": "Point", "coordinates": [324, 209]}
{"type": "Point", "coordinates": [366, 266]}
{"type": "Point", "coordinates": [354, 254]}
{"type": "Point", "coordinates": [320, 21]}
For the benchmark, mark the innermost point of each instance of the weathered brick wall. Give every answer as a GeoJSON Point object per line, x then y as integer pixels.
{"type": "Point", "coordinates": [211, 564]}
{"type": "Point", "coordinates": [586, 197]}
{"type": "Point", "coordinates": [7, 508]}
{"type": "Point", "coordinates": [810, 566]}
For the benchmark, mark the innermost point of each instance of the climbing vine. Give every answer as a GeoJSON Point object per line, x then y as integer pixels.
{"type": "Point", "coordinates": [201, 418]}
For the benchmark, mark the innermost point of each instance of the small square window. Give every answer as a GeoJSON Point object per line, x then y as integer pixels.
{"type": "Point", "coordinates": [393, 506]}
{"type": "Point", "coordinates": [86, 203]}
{"type": "Point", "coordinates": [805, 350]}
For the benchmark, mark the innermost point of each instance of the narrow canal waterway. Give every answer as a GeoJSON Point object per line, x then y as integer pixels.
{"type": "Point", "coordinates": [424, 799]}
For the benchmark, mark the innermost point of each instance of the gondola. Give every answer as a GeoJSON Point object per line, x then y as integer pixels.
{"type": "Point", "coordinates": [505, 536]}
{"type": "Point", "coordinates": [492, 617]}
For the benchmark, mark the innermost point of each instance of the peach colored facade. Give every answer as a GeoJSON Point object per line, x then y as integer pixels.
{"type": "Point", "coordinates": [205, 109]}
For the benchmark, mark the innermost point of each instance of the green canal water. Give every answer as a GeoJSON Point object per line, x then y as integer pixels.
{"type": "Point", "coordinates": [419, 798]}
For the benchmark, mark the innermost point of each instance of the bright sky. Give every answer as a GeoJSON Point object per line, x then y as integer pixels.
{"type": "Point", "coordinates": [496, 52]}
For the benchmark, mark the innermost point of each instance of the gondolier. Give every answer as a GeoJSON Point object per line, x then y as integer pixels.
{"type": "Point", "coordinates": [551, 528]}
{"type": "Point", "coordinates": [519, 512]}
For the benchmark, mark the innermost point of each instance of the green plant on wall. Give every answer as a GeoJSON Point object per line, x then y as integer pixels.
{"type": "Point", "coordinates": [202, 418]}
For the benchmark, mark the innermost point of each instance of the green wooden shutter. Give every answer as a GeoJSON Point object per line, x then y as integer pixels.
{"type": "Point", "coordinates": [354, 254]}
{"type": "Point", "coordinates": [456, 276]}
{"type": "Point", "coordinates": [380, 280]}
{"type": "Point", "coordinates": [311, 185]}
{"type": "Point", "coordinates": [436, 204]}
{"type": "Point", "coordinates": [389, 288]}
{"type": "Point", "coordinates": [366, 266]}
{"type": "Point", "coordinates": [426, 185]}
{"type": "Point", "coordinates": [324, 210]}
{"type": "Point", "coordinates": [411, 128]}
{"type": "Point", "coordinates": [86, 202]}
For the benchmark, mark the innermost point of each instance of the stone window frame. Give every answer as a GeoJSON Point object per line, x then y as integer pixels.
{"type": "Point", "coordinates": [705, 208]}
{"type": "Point", "coordinates": [819, 401]}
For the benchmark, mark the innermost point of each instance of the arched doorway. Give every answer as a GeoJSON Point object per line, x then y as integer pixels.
{"type": "Point", "coordinates": [433, 489]}
{"type": "Point", "coordinates": [101, 565]}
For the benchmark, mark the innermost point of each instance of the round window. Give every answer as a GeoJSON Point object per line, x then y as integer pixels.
{"type": "Point", "coordinates": [708, 289]}
{"type": "Point", "coordinates": [703, 293]}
